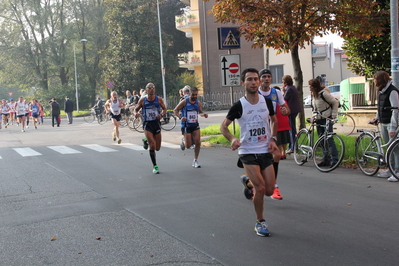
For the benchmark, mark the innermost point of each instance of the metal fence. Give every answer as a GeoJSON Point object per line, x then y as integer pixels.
{"type": "Point", "coordinates": [223, 97]}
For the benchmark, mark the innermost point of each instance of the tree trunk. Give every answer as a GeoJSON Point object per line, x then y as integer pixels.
{"type": "Point", "coordinates": [298, 77]}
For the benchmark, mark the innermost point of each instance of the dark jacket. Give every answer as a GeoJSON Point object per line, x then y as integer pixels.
{"type": "Point", "coordinates": [384, 116]}
{"type": "Point", "coordinates": [55, 108]}
{"type": "Point", "coordinates": [68, 107]}
{"type": "Point", "coordinates": [292, 98]}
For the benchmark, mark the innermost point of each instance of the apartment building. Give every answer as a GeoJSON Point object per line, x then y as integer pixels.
{"type": "Point", "coordinates": [205, 59]}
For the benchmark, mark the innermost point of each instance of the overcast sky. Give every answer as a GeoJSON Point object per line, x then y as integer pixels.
{"type": "Point", "coordinates": [338, 41]}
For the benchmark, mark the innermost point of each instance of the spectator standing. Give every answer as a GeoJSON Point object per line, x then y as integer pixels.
{"type": "Point", "coordinates": [324, 103]}
{"type": "Point", "coordinates": [68, 108]}
{"type": "Point", "coordinates": [388, 96]}
{"type": "Point", "coordinates": [55, 112]}
{"type": "Point", "coordinates": [292, 99]}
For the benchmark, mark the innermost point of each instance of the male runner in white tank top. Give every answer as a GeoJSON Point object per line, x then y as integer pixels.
{"type": "Point", "coordinates": [258, 130]}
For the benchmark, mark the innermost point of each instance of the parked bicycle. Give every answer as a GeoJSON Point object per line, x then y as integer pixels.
{"type": "Point", "coordinates": [328, 146]}
{"type": "Point", "coordinates": [95, 114]}
{"type": "Point", "coordinates": [168, 122]}
{"type": "Point", "coordinates": [371, 154]}
{"type": "Point", "coordinates": [211, 105]}
{"type": "Point", "coordinates": [345, 124]}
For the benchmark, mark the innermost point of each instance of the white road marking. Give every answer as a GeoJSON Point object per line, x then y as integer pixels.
{"type": "Point", "coordinates": [24, 152]}
{"type": "Point", "coordinates": [132, 146]}
{"type": "Point", "coordinates": [170, 145]}
{"type": "Point", "coordinates": [63, 149]}
{"type": "Point", "coordinates": [98, 148]}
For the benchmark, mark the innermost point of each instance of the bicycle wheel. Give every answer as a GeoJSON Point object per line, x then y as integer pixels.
{"type": "Point", "coordinates": [328, 154]}
{"type": "Point", "coordinates": [130, 123]}
{"type": "Point", "coordinates": [393, 158]}
{"type": "Point", "coordinates": [205, 106]}
{"type": "Point", "coordinates": [345, 124]}
{"type": "Point", "coordinates": [124, 121]}
{"type": "Point", "coordinates": [168, 122]}
{"type": "Point", "coordinates": [103, 118]}
{"type": "Point", "coordinates": [302, 147]}
{"type": "Point", "coordinates": [138, 124]}
{"type": "Point", "coordinates": [89, 118]}
{"type": "Point", "coordinates": [366, 152]}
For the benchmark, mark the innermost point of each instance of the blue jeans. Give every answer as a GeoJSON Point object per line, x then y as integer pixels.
{"type": "Point", "coordinates": [331, 143]}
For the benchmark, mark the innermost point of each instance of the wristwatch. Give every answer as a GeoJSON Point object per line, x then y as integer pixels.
{"type": "Point", "coordinates": [275, 138]}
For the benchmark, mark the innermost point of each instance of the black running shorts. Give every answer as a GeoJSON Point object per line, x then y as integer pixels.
{"type": "Point", "coordinates": [152, 126]}
{"type": "Point", "coordinates": [263, 159]}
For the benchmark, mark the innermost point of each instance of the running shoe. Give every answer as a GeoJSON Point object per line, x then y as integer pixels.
{"type": "Point", "coordinates": [192, 147]}
{"type": "Point", "coordinates": [385, 173]}
{"type": "Point", "coordinates": [244, 180]}
{"type": "Point", "coordinates": [145, 144]}
{"type": "Point", "coordinates": [23, 130]}
{"type": "Point", "coordinates": [119, 141]}
{"type": "Point", "coordinates": [155, 170]}
{"type": "Point", "coordinates": [35, 127]}
{"type": "Point", "coordinates": [196, 164]}
{"type": "Point", "coordinates": [276, 194]}
{"type": "Point", "coordinates": [261, 228]}
{"type": "Point", "coordinates": [114, 136]}
{"type": "Point", "coordinates": [249, 193]}
{"type": "Point", "coordinates": [392, 178]}
{"type": "Point", "coordinates": [182, 144]}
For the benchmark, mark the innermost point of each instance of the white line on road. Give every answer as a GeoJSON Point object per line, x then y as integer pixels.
{"type": "Point", "coordinates": [170, 145]}
{"type": "Point", "coordinates": [63, 149]}
{"type": "Point", "coordinates": [26, 152]}
{"type": "Point", "coordinates": [98, 148]}
{"type": "Point", "coordinates": [132, 146]}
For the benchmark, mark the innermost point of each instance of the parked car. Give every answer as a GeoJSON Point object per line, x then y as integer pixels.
{"type": "Point", "coordinates": [307, 101]}
{"type": "Point", "coordinates": [335, 90]}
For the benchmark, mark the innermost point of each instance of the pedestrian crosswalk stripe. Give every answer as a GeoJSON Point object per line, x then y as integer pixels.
{"type": "Point", "coordinates": [63, 149]}
{"type": "Point", "coordinates": [27, 152]}
{"type": "Point", "coordinates": [170, 145]}
{"type": "Point", "coordinates": [132, 146]}
{"type": "Point", "coordinates": [98, 148]}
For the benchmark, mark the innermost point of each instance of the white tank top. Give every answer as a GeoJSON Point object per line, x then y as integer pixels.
{"type": "Point", "coordinates": [4, 108]}
{"type": "Point", "coordinates": [115, 109]}
{"type": "Point", "coordinates": [20, 108]}
{"type": "Point", "coordinates": [255, 127]}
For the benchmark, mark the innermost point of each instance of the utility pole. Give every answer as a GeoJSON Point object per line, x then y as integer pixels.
{"type": "Point", "coordinates": [394, 43]}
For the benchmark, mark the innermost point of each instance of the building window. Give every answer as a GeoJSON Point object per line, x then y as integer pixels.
{"type": "Point", "coordinates": [277, 73]}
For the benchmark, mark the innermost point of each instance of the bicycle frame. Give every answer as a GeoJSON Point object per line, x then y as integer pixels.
{"type": "Point", "coordinates": [381, 155]}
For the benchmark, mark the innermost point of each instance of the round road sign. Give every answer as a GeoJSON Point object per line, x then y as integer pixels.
{"type": "Point", "coordinates": [110, 84]}
{"type": "Point", "coordinates": [233, 68]}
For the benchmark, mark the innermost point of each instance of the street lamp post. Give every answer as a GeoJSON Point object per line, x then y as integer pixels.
{"type": "Point", "coordinates": [161, 53]}
{"type": "Point", "coordinates": [76, 74]}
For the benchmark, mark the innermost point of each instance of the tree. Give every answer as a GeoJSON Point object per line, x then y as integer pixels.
{"type": "Point", "coordinates": [133, 57]}
{"type": "Point", "coordinates": [366, 56]}
{"type": "Point", "coordinates": [288, 25]}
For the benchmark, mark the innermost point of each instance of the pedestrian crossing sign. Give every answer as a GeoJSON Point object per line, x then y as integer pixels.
{"type": "Point", "coordinates": [229, 38]}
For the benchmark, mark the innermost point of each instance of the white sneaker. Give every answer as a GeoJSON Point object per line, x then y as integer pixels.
{"type": "Point", "coordinates": [385, 173]}
{"type": "Point", "coordinates": [196, 164]}
{"type": "Point", "coordinates": [392, 178]}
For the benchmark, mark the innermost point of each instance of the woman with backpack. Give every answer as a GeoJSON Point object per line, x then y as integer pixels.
{"type": "Point", "coordinates": [324, 103]}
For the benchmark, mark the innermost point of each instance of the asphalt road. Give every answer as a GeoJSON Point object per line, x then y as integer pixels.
{"type": "Point", "coordinates": [71, 196]}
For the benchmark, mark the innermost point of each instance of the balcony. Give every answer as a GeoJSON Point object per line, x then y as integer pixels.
{"type": "Point", "coordinates": [190, 59]}
{"type": "Point", "coordinates": [319, 51]}
{"type": "Point", "coordinates": [187, 21]}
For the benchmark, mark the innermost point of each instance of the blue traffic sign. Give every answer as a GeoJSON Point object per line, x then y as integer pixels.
{"type": "Point", "coordinates": [229, 38]}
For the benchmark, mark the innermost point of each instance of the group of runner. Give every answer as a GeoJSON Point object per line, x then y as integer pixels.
{"type": "Point", "coordinates": [19, 113]}
{"type": "Point", "coordinates": [257, 145]}
{"type": "Point", "coordinates": [152, 109]}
